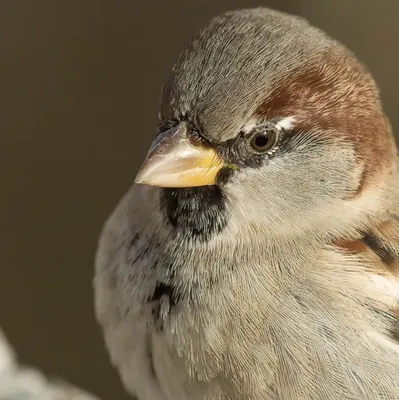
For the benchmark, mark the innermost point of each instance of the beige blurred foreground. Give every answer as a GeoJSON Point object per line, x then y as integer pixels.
{"type": "Point", "coordinates": [26, 383]}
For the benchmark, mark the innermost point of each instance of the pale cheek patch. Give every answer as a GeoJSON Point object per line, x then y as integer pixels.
{"type": "Point", "coordinates": [286, 123]}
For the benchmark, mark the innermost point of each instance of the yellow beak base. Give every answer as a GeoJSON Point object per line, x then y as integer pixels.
{"type": "Point", "coordinates": [174, 162]}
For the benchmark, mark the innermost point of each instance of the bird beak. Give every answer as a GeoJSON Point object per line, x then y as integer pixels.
{"type": "Point", "coordinates": [174, 162]}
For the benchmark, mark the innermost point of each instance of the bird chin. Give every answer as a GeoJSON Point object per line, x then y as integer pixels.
{"type": "Point", "coordinates": [196, 213]}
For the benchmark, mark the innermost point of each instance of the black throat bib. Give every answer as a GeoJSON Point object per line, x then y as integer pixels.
{"type": "Point", "coordinates": [197, 213]}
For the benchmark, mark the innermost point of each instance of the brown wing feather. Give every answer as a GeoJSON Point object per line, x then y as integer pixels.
{"type": "Point", "coordinates": [381, 245]}
{"type": "Point", "coordinates": [384, 241]}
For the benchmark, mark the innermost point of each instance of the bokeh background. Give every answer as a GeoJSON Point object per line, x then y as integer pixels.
{"type": "Point", "coordinates": [79, 87]}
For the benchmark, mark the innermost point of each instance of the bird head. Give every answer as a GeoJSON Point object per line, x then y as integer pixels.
{"type": "Point", "coordinates": [269, 126]}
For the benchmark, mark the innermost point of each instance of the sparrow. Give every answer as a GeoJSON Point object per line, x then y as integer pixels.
{"type": "Point", "coordinates": [256, 256]}
{"type": "Point", "coordinates": [21, 382]}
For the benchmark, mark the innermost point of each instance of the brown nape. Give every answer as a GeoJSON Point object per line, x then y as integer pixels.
{"type": "Point", "coordinates": [380, 245]}
{"type": "Point", "coordinates": [337, 95]}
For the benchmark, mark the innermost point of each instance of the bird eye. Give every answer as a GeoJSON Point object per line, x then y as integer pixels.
{"type": "Point", "coordinates": [264, 141]}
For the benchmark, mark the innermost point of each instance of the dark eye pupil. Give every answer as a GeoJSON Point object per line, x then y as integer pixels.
{"type": "Point", "coordinates": [264, 141]}
{"type": "Point", "coordinates": [261, 140]}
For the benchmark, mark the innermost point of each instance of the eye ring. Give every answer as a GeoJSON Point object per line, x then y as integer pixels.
{"type": "Point", "coordinates": [264, 140]}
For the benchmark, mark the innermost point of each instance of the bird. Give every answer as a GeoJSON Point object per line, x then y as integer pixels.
{"type": "Point", "coordinates": [256, 254]}
{"type": "Point", "coordinates": [21, 382]}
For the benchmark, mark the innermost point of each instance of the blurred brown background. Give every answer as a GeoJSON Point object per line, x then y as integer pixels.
{"type": "Point", "coordinates": [79, 90]}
